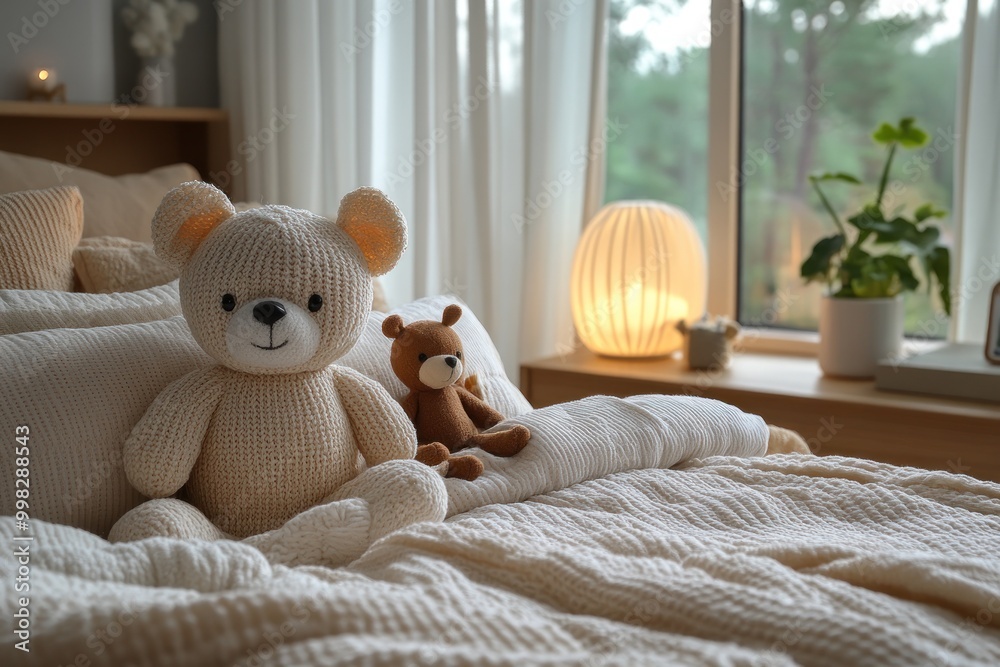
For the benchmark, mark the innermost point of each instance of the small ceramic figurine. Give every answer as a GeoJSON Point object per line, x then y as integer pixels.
{"type": "Point", "coordinates": [709, 342]}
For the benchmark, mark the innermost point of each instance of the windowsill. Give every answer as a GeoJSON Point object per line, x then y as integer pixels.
{"type": "Point", "coordinates": [785, 342]}
{"type": "Point", "coordinates": [776, 375]}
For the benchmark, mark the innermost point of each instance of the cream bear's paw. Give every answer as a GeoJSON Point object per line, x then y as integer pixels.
{"type": "Point", "coordinates": [785, 441]}
{"type": "Point", "coordinates": [331, 534]}
{"type": "Point", "coordinates": [399, 493]}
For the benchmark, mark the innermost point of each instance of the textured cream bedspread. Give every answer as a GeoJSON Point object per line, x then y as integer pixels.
{"type": "Point", "coordinates": [731, 561]}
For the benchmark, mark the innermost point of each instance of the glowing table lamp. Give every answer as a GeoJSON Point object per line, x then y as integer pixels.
{"type": "Point", "coordinates": [638, 269]}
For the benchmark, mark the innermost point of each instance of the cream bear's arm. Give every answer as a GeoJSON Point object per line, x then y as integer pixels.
{"type": "Point", "coordinates": [163, 447]}
{"type": "Point", "coordinates": [381, 428]}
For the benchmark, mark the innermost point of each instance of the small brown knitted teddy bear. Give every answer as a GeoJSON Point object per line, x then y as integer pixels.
{"type": "Point", "coordinates": [427, 358]}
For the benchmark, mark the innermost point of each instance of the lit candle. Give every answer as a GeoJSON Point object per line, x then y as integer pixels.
{"type": "Point", "coordinates": [43, 80]}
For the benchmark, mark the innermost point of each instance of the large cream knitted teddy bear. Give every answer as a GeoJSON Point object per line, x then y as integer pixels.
{"type": "Point", "coordinates": [271, 443]}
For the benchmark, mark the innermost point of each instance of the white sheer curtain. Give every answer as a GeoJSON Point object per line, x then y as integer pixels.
{"type": "Point", "coordinates": [477, 117]}
{"type": "Point", "coordinates": [978, 178]}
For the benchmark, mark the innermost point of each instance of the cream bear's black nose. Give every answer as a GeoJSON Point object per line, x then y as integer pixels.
{"type": "Point", "coordinates": [268, 312]}
{"type": "Point", "coordinates": [451, 361]}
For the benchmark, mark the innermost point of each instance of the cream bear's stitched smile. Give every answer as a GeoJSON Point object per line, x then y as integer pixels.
{"type": "Point", "coordinates": [253, 329]}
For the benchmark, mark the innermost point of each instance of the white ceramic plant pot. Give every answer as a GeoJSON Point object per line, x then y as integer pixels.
{"type": "Point", "coordinates": [855, 334]}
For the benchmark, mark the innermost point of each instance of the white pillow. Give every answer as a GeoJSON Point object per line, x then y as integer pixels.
{"type": "Point", "coordinates": [81, 391]}
{"type": "Point", "coordinates": [37, 310]}
{"type": "Point", "coordinates": [112, 205]}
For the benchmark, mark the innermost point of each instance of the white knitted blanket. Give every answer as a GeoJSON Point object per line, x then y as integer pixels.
{"type": "Point", "coordinates": [732, 560]}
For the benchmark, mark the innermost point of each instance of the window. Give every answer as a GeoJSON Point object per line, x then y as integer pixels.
{"type": "Point", "coordinates": [817, 78]}
{"type": "Point", "coordinates": [658, 88]}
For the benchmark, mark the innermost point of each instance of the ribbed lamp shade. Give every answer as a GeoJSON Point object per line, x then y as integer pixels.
{"type": "Point", "coordinates": [638, 270]}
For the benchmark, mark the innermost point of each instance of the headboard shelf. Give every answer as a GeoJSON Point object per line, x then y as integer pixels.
{"type": "Point", "coordinates": [112, 111]}
{"type": "Point", "coordinates": [118, 139]}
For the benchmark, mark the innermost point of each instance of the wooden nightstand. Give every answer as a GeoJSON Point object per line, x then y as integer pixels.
{"type": "Point", "coordinates": [845, 417]}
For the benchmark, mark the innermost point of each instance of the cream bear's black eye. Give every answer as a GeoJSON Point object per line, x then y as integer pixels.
{"type": "Point", "coordinates": [228, 302]}
{"type": "Point", "coordinates": [315, 303]}
{"type": "Point", "coordinates": [459, 354]}
{"type": "Point", "coordinates": [422, 357]}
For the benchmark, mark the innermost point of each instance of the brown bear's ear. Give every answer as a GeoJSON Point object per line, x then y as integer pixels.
{"type": "Point", "coordinates": [451, 315]}
{"type": "Point", "coordinates": [392, 326]}
{"type": "Point", "coordinates": [185, 217]}
{"type": "Point", "coordinates": [376, 225]}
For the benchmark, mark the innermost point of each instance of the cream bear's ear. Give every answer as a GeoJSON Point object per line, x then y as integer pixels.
{"type": "Point", "coordinates": [185, 217]}
{"type": "Point", "coordinates": [392, 326]}
{"type": "Point", "coordinates": [451, 315]}
{"type": "Point", "coordinates": [376, 225]}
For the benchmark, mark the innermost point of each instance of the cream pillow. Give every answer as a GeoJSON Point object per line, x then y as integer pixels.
{"type": "Point", "coordinates": [38, 230]}
{"type": "Point", "coordinates": [107, 264]}
{"type": "Point", "coordinates": [112, 205]}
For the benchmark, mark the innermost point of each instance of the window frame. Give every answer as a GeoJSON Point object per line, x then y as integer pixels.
{"type": "Point", "coordinates": [725, 137]}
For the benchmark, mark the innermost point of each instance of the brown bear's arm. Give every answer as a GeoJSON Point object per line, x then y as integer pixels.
{"type": "Point", "coordinates": [381, 429]}
{"type": "Point", "coordinates": [410, 405]}
{"type": "Point", "coordinates": [162, 448]}
{"type": "Point", "coordinates": [481, 414]}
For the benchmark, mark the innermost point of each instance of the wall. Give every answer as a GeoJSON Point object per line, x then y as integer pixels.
{"type": "Point", "coordinates": [87, 43]}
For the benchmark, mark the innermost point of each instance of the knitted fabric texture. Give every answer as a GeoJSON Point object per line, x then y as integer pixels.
{"type": "Point", "coordinates": [783, 561]}
{"type": "Point", "coordinates": [80, 392]}
{"type": "Point", "coordinates": [38, 231]}
{"type": "Point", "coordinates": [275, 295]}
{"type": "Point", "coordinates": [109, 264]}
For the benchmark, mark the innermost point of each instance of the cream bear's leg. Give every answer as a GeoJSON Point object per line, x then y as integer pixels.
{"type": "Point", "coordinates": [164, 517]}
{"type": "Point", "coordinates": [382, 499]}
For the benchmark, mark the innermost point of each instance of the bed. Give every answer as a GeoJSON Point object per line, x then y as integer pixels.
{"type": "Point", "coordinates": [649, 530]}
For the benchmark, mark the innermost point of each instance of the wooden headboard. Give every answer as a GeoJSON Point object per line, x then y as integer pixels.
{"type": "Point", "coordinates": [118, 139]}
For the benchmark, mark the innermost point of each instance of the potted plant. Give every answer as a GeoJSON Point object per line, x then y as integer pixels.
{"type": "Point", "coordinates": [868, 264]}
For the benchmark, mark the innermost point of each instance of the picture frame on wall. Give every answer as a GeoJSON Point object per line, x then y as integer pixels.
{"type": "Point", "coordinates": [993, 332]}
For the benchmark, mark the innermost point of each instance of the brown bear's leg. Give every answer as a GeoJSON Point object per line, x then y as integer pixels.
{"type": "Point", "coordinates": [432, 453]}
{"type": "Point", "coordinates": [467, 467]}
{"type": "Point", "coordinates": [502, 443]}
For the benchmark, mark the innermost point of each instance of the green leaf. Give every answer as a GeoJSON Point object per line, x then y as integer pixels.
{"type": "Point", "coordinates": [834, 176]}
{"type": "Point", "coordinates": [879, 279]}
{"type": "Point", "coordinates": [938, 264]}
{"type": "Point", "coordinates": [901, 267]}
{"type": "Point", "coordinates": [869, 219]}
{"type": "Point", "coordinates": [817, 265]}
{"type": "Point", "coordinates": [922, 241]}
{"type": "Point", "coordinates": [909, 135]}
{"type": "Point", "coordinates": [885, 134]}
{"type": "Point", "coordinates": [928, 211]}
{"type": "Point", "coordinates": [852, 268]}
